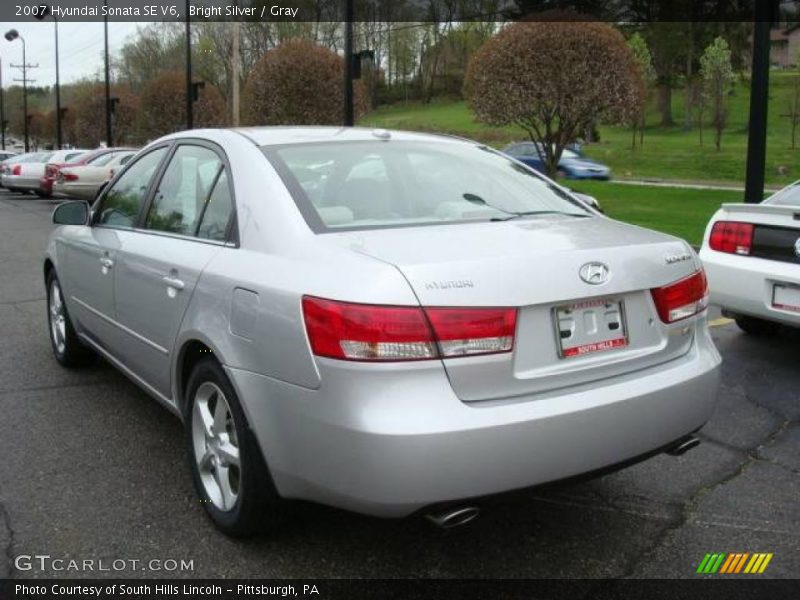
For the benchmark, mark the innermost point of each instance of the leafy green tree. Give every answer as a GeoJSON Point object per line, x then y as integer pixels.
{"type": "Point", "coordinates": [717, 75]}
{"type": "Point", "coordinates": [647, 76]}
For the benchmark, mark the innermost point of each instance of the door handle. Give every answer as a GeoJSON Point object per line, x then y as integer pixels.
{"type": "Point", "coordinates": [173, 282]}
{"type": "Point", "coordinates": [106, 262]}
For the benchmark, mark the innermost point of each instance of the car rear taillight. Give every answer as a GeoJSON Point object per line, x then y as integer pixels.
{"type": "Point", "coordinates": [731, 237]}
{"type": "Point", "coordinates": [69, 176]}
{"type": "Point", "coordinates": [16, 170]}
{"type": "Point", "coordinates": [470, 331]}
{"type": "Point", "coordinates": [682, 299]}
{"type": "Point", "coordinates": [398, 333]}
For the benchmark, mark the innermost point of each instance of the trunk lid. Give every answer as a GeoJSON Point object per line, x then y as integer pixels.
{"type": "Point", "coordinates": [534, 265]}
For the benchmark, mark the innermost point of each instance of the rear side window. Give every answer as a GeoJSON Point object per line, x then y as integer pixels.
{"type": "Point", "coordinates": [218, 211]}
{"type": "Point", "coordinates": [123, 201]}
{"type": "Point", "coordinates": [183, 190]}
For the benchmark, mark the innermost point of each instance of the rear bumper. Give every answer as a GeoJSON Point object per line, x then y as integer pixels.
{"type": "Point", "coordinates": [379, 440]}
{"type": "Point", "coordinates": [46, 185]}
{"type": "Point", "coordinates": [744, 284]}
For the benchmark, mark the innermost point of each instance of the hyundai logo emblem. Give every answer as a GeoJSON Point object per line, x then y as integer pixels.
{"type": "Point", "coordinates": [595, 273]}
{"type": "Point", "coordinates": [797, 247]}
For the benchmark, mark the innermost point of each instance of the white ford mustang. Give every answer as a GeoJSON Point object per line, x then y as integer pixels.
{"type": "Point", "coordinates": [751, 253]}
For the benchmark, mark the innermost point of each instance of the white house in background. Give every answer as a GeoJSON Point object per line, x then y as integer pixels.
{"type": "Point", "coordinates": [784, 46]}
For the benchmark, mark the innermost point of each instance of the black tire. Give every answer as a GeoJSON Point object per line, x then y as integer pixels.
{"type": "Point", "coordinates": [757, 327]}
{"type": "Point", "coordinates": [257, 505]}
{"type": "Point", "coordinates": [68, 349]}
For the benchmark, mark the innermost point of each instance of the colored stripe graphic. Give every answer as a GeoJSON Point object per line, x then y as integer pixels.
{"type": "Point", "coordinates": [764, 564]}
{"type": "Point", "coordinates": [703, 563]}
{"type": "Point", "coordinates": [734, 562]}
{"type": "Point", "coordinates": [728, 564]}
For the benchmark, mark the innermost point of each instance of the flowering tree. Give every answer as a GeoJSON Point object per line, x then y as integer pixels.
{"type": "Point", "coordinates": [717, 74]}
{"type": "Point", "coordinates": [554, 79]}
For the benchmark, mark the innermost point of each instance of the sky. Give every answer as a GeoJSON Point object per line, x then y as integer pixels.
{"type": "Point", "coordinates": [80, 49]}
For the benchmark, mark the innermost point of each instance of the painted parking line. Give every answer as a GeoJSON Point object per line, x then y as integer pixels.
{"type": "Point", "coordinates": [720, 322]}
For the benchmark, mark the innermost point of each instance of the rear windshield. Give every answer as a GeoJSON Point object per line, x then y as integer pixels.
{"type": "Point", "coordinates": [76, 157]}
{"type": "Point", "coordinates": [370, 185]}
{"type": "Point", "coordinates": [788, 196]}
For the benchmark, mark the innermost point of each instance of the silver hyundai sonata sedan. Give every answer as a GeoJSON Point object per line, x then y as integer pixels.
{"type": "Point", "coordinates": [379, 321]}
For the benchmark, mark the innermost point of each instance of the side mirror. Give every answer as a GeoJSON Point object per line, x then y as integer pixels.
{"type": "Point", "coordinates": [75, 212]}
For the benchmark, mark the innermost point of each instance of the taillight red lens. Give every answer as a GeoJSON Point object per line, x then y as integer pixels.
{"type": "Point", "coordinates": [681, 299]}
{"type": "Point", "coordinates": [731, 237]}
{"type": "Point", "coordinates": [471, 331]}
{"type": "Point", "coordinates": [16, 170]}
{"type": "Point", "coordinates": [69, 176]}
{"type": "Point", "coordinates": [365, 332]}
{"type": "Point", "coordinates": [396, 333]}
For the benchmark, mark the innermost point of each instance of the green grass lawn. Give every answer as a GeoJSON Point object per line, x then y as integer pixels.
{"type": "Point", "coordinates": [668, 153]}
{"type": "Point", "coordinates": [680, 212]}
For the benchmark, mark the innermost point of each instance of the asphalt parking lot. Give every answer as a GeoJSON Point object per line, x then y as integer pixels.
{"type": "Point", "coordinates": [91, 468]}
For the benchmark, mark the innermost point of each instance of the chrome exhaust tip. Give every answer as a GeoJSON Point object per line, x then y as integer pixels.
{"type": "Point", "coordinates": [453, 517]}
{"type": "Point", "coordinates": [684, 446]}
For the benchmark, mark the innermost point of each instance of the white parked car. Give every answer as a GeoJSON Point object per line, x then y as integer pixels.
{"type": "Point", "coordinates": [11, 169]}
{"type": "Point", "coordinates": [751, 253]}
{"type": "Point", "coordinates": [85, 180]}
{"type": "Point", "coordinates": [26, 176]}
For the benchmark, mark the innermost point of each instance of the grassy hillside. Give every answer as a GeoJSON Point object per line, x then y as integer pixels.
{"type": "Point", "coordinates": [677, 211]}
{"type": "Point", "coordinates": [668, 153]}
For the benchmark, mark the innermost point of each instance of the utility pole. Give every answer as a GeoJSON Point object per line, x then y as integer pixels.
{"type": "Point", "coordinates": [348, 64]}
{"type": "Point", "coordinates": [2, 109]}
{"type": "Point", "coordinates": [41, 16]}
{"type": "Point", "coordinates": [189, 89]}
{"type": "Point", "coordinates": [109, 138]}
{"type": "Point", "coordinates": [235, 70]}
{"type": "Point", "coordinates": [765, 14]}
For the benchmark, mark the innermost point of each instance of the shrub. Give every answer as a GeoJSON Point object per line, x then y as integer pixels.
{"type": "Point", "coordinates": [298, 83]}
{"type": "Point", "coordinates": [162, 108]}
{"type": "Point", "coordinates": [89, 110]}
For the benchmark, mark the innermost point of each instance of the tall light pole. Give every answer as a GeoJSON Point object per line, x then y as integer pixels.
{"type": "Point", "coordinates": [348, 64]}
{"type": "Point", "coordinates": [11, 35]}
{"type": "Point", "coordinates": [2, 109]}
{"type": "Point", "coordinates": [41, 16]}
{"type": "Point", "coordinates": [189, 87]}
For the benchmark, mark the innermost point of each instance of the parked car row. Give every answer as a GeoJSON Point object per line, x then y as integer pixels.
{"type": "Point", "coordinates": [62, 173]}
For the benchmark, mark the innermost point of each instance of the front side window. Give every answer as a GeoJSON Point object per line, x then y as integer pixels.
{"type": "Point", "coordinates": [183, 190]}
{"type": "Point", "coordinates": [362, 185]}
{"type": "Point", "coordinates": [121, 204]}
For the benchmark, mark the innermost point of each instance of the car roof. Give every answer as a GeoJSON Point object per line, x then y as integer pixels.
{"type": "Point", "coordinates": [280, 135]}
